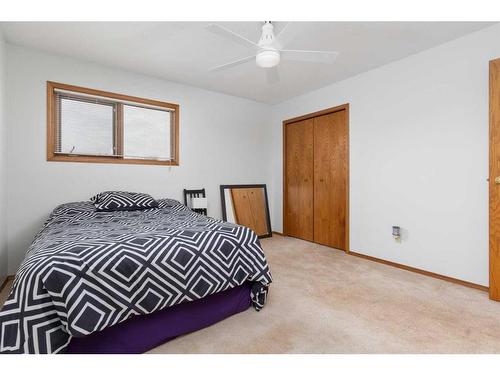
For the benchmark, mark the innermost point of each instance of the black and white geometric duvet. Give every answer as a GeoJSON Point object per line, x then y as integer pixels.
{"type": "Point", "coordinates": [88, 270]}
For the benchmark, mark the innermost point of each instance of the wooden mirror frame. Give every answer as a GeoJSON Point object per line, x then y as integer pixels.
{"type": "Point", "coordinates": [224, 208]}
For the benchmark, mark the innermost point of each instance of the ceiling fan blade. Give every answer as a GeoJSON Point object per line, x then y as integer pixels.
{"type": "Point", "coordinates": [324, 57]}
{"type": "Point", "coordinates": [288, 34]}
{"type": "Point", "coordinates": [232, 63]}
{"type": "Point", "coordinates": [226, 33]}
{"type": "Point", "coordinates": [272, 75]}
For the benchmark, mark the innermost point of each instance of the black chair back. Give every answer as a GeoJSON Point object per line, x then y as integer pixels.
{"type": "Point", "coordinates": [200, 193]}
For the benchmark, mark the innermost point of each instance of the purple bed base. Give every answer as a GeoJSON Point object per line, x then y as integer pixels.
{"type": "Point", "coordinates": [144, 332]}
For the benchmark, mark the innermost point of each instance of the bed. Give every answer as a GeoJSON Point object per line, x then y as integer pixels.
{"type": "Point", "coordinates": [126, 281]}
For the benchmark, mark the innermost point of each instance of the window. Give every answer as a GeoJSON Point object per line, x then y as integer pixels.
{"type": "Point", "coordinates": [86, 125]}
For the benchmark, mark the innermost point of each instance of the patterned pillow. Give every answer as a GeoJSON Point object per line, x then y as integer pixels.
{"type": "Point", "coordinates": [167, 202]}
{"type": "Point", "coordinates": [122, 201]}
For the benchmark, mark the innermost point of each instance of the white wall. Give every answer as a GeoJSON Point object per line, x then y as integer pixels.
{"type": "Point", "coordinates": [418, 156]}
{"type": "Point", "coordinates": [418, 150]}
{"type": "Point", "coordinates": [223, 140]}
{"type": "Point", "coordinates": [3, 165]}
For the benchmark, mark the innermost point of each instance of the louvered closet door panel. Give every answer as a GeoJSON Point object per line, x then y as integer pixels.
{"type": "Point", "coordinates": [299, 180]}
{"type": "Point", "coordinates": [330, 179]}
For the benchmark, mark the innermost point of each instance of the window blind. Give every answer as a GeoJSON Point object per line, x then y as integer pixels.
{"type": "Point", "coordinates": [90, 125]}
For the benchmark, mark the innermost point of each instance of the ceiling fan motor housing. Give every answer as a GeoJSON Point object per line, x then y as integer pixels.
{"type": "Point", "coordinates": [268, 56]}
{"type": "Point", "coordinates": [267, 37]}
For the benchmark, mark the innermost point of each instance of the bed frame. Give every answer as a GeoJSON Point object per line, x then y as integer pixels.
{"type": "Point", "coordinates": [144, 332]}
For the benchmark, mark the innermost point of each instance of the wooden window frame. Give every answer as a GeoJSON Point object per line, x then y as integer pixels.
{"type": "Point", "coordinates": [52, 127]}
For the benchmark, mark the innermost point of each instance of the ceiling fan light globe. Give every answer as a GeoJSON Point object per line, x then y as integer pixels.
{"type": "Point", "coordinates": [268, 58]}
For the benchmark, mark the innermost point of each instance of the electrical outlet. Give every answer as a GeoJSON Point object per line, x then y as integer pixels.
{"type": "Point", "coordinates": [396, 233]}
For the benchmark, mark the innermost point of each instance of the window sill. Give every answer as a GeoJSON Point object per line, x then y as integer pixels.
{"type": "Point", "coordinates": [109, 160]}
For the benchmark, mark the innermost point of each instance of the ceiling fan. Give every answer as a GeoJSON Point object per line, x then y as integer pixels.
{"type": "Point", "coordinates": [270, 49]}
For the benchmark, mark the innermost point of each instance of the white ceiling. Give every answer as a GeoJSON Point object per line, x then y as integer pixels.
{"type": "Point", "coordinates": [184, 51]}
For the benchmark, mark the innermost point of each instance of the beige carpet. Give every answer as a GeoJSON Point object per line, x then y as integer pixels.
{"type": "Point", "coordinates": [324, 301]}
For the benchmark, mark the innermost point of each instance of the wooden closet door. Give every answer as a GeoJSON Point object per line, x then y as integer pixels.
{"type": "Point", "coordinates": [299, 180]}
{"type": "Point", "coordinates": [330, 179]}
